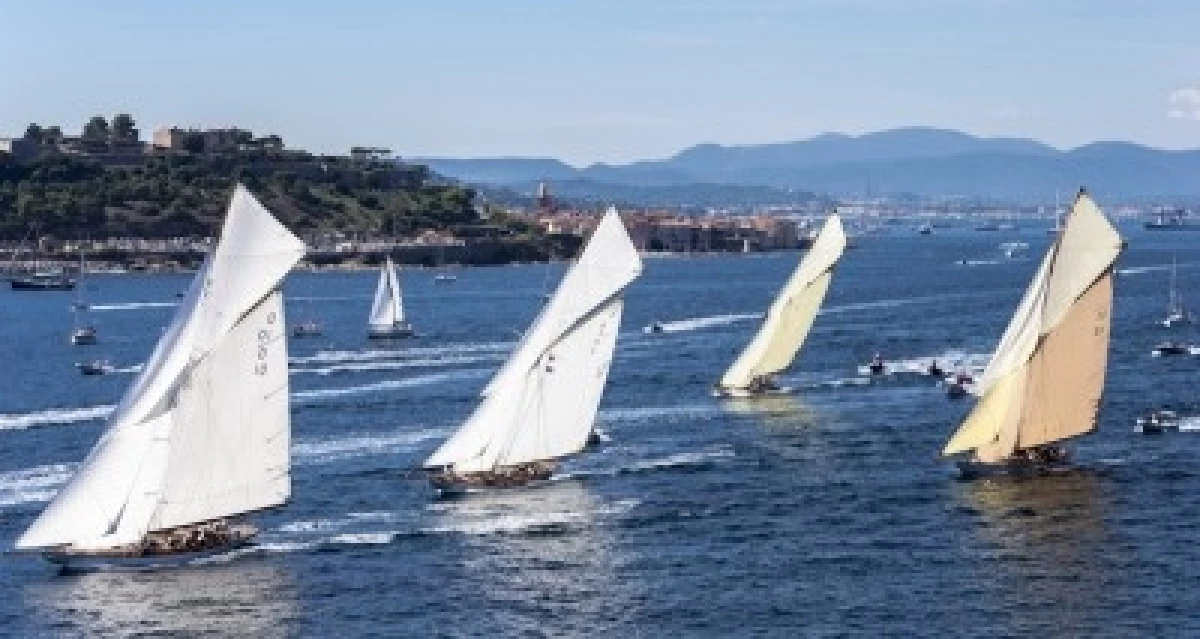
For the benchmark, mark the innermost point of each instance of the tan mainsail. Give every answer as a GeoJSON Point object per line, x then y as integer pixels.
{"type": "Point", "coordinates": [1066, 375]}
{"type": "Point", "coordinates": [1043, 383]}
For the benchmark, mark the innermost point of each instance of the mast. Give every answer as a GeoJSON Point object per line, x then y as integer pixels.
{"type": "Point", "coordinates": [203, 431]}
{"type": "Point", "coordinates": [542, 402]}
{"type": "Point", "coordinates": [1044, 381]}
{"type": "Point", "coordinates": [791, 315]}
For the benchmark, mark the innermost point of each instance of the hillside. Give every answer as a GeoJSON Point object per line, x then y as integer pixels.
{"type": "Point", "coordinates": [921, 161]}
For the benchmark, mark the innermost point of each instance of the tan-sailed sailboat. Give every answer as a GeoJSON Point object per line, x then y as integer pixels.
{"type": "Point", "coordinates": [788, 320]}
{"type": "Point", "coordinates": [1044, 381]}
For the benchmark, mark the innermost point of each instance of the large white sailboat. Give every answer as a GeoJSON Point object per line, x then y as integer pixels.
{"type": "Point", "coordinates": [789, 319]}
{"type": "Point", "coordinates": [202, 435]}
{"type": "Point", "coordinates": [1044, 381]}
{"type": "Point", "coordinates": [542, 403]}
{"type": "Point", "coordinates": [387, 311]}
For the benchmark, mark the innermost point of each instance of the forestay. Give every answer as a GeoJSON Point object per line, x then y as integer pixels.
{"type": "Point", "coordinates": [216, 383]}
{"type": "Point", "coordinates": [543, 401]}
{"type": "Point", "coordinates": [1044, 381]}
{"type": "Point", "coordinates": [387, 309]}
{"type": "Point", "coordinates": [791, 315]}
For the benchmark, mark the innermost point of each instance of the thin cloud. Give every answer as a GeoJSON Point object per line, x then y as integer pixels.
{"type": "Point", "coordinates": [1185, 103]}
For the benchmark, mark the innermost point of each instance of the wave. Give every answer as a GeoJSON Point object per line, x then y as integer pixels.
{"type": "Point", "coordinates": [37, 484]}
{"type": "Point", "coordinates": [394, 365]}
{"type": "Point", "coordinates": [334, 357]}
{"type": "Point", "coordinates": [321, 451]}
{"type": "Point", "coordinates": [21, 421]}
{"type": "Point", "coordinates": [391, 384]}
{"type": "Point", "coordinates": [130, 306]}
{"type": "Point", "coordinates": [647, 413]}
{"type": "Point", "coordinates": [697, 323]}
{"type": "Point", "coordinates": [951, 361]}
{"type": "Point", "coordinates": [893, 303]}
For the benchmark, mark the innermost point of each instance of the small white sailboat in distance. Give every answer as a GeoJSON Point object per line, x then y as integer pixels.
{"type": "Point", "coordinates": [788, 320]}
{"type": "Point", "coordinates": [1044, 381]}
{"type": "Point", "coordinates": [541, 405]}
{"type": "Point", "coordinates": [83, 333]}
{"type": "Point", "coordinates": [203, 433]}
{"type": "Point", "coordinates": [387, 311]}
{"type": "Point", "coordinates": [1177, 314]}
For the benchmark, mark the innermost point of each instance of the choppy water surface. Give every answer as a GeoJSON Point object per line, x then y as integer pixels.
{"type": "Point", "coordinates": [822, 512]}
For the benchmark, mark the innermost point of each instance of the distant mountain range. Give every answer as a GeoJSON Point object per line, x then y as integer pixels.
{"type": "Point", "coordinates": [917, 161]}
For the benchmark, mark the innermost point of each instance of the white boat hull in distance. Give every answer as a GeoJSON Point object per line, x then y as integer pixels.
{"type": "Point", "coordinates": [746, 393]}
{"type": "Point", "coordinates": [143, 557]}
{"type": "Point", "coordinates": [391, 331]}
{"type": "Point", "coordinates": [448, 482]}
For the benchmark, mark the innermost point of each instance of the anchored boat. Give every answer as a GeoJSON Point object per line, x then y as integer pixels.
{"type": "Point", "coordinates": [387, 311]}
{"type": "Point", "coordinates": [788, 320]}
{"type": "Point", "coordinates": [1044, 381]}
{"type": "Point", "coordinates": [541, 405]}
{"type": "Point", "coordinates": [202, 435]}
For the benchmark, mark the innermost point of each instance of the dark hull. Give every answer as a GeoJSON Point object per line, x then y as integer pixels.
{"type": "Point", "coordinates": [139, 558]}
{"type": "Point", "coordinates": [1017, 467]}
{"type": "Point", "coordinates": [390, 332]}
{"type": "Point", "coordinates": [23, 284]}
{"type": "Point", "coordinates": [448, 482]}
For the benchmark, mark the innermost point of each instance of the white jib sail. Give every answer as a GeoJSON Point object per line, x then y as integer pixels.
{"type": "Point", "coordinates": [161, 461]}
{"type": "Point", "coordinates": [543, 401]}
{"type": "Point", "coordinates": [387, 309]}
{"type": "Point", "coordinates": [791, 315]}
{"type": "Point", "coordinates": [1084, 251]}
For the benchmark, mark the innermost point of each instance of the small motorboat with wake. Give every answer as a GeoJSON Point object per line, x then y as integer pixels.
{"type": "Point", "coordinates": [876, 367]}
{"type": "Point", "coordinates": [309, 328]}
{"type": "Point", "coordinates": [1170, 348]}
{"type": "Point", "coordinates": [656, 327]}
{"type": "Point", "coordinates": [1157, 421]}
{"type": "Point", "coordinates": [57, 280]}
{"type": "Point", "coordinates": [956, 385]}
{"type": "Point", "coordinates": [95, 367]}
{"type": "Point", "coordinates": [84, 336]}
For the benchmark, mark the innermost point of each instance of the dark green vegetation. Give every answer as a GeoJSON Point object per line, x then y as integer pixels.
{"type": "Point", "coordinates": [107, 184]}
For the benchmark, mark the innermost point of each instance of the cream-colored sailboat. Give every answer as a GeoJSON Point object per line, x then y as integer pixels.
{"type": "Point", "coordinates": [788, 320]}
{"type": "Point", "coordinates": [1044, 381]}
{"type": "Point", "coordinates": [542, 404]}
{"type": "Point", "coordinates": [203, 434]}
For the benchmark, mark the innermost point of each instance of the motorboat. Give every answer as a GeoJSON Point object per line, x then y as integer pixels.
{"type": "Point", "coordinates": [95, 367]}
{"type": "Point", "coordinates": [1157, 421]}
{"type": "Point", "coordinates": [84, 336]}
{"type": "Point", "coordinates": [43, 281]}
{"type": "Point", "coordinates": [1170, 348]}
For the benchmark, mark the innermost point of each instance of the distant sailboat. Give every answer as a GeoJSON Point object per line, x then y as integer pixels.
{"type": "Point", "coordinates": [1177, 315]}
{"type": "Point", "coordinates": [203, 433]}
{"type": "Point", "coordinates": [788, 320]}
{"type": "Point", "coordinates": [1044, 381]}
{"type": "Point", "coordinates": [542, 403]}
{"type": "Point", "coordinates": [83, 333]}
{"type": "Point", "coordinates": [387, 311]}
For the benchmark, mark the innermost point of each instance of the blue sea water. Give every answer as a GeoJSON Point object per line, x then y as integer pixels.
{"type": "Point", "coordinates": [823, 512]}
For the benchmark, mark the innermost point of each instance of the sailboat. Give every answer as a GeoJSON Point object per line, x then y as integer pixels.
{"type": "Point", "coordinates": [1043, 383]}
{"type": "Point", "coordinates": [202, 435]}
{"type": "Point", "coordinates": [83, 333]}
{"type": "Point", "coordinates": [1177, 315]}
{"type": "Point", "coordinates": [542, 403]}
{"type": "Point", "coordinates": [788, 320]}
{"type": "Point", "coordinates": [387, 311]}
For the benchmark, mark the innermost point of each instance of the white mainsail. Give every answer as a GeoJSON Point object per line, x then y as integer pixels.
{"type": "Point", "coordinates": [1044, 381]}
{"type": "Point", "coordinates": [387, 308]}
{"type": "Point", "coordinates": [203, 431]}
{"type": "Point", "coordinates": [791, 315]}
{"type": "Point", "coordinates": [543, 401]}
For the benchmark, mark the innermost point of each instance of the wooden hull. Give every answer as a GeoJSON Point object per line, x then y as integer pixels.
{"type": "Point", "coordinates": [138, 558]}
{"type": "Point", "coordinates": [448, 482]}
{"type": "Point", "coordinates": [1013, 467]}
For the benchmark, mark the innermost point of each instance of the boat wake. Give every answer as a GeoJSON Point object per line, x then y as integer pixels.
{"type": "Point", "coordinates": [952, 361]}
{"type": "Point", "coordinates": [130, 306]}
{"type": "Point", "coordinates": [317, 395]}
{"type": "Point", "coordinates": [365, 366]}
{"type": "Point", "coordinates": [658, 413]}
{"type": "Point", "coordinates": [697, 323]}
{"type": "Point", "coordinates": [893, 303]}
{"type": "Point", "coordinates": [430, 352]}
{"type": "Point", "coordinates": [21, 421]}
{"type": "Point", "coordinates": [36, 484]}
{"type": "Point", "coordinates": [322, 451]}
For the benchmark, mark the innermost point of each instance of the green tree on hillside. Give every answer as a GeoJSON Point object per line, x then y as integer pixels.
{"type": "Point", "coordinates": [96, 128]}
{"type": "Point", "coordinates": [123, 127]}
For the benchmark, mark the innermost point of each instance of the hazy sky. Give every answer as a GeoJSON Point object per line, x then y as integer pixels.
{"type": "Point", "coordinates": [607, 80]}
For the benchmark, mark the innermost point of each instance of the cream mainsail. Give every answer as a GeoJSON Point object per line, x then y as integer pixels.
{"type": "Point", "coordinates": [1044, 381]}
{"type": "Point", "coordinates": [792, 313]}
{"type": "Point", "coordinates": [543, 401]}
{"type": "Point", "coordinates": [203, 432]}
{"type": "Point", "coordinates": [387, 309]}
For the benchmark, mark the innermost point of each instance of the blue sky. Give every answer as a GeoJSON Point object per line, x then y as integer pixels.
{"type": "Point", "coordinates": [608, 80]}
